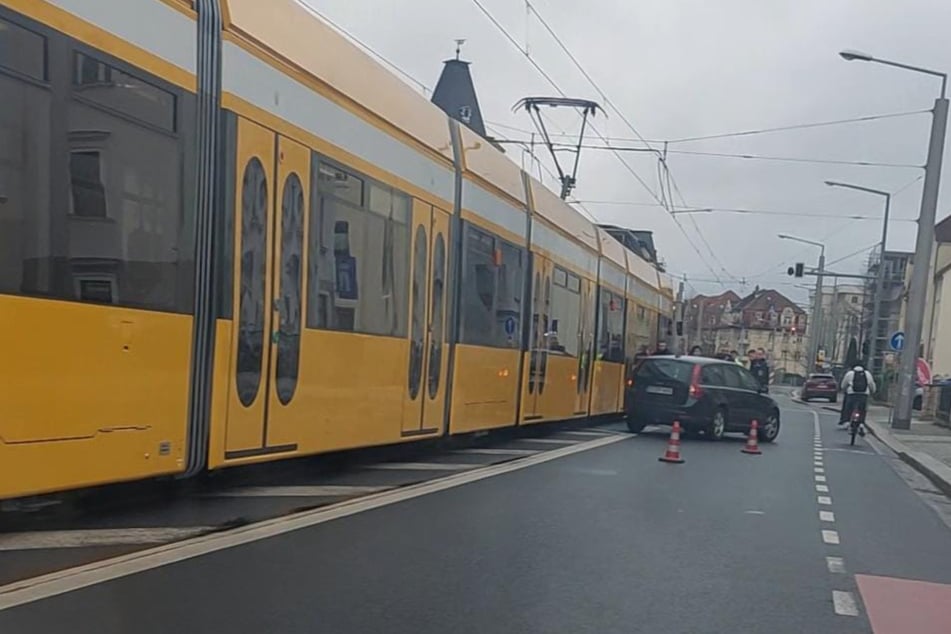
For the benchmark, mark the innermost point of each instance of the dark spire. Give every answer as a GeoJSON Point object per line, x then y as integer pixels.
{"type": "Point", "coordinates": [455, 93]}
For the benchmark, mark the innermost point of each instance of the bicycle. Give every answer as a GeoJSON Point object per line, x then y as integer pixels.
{"type": "Point", "coordinates": [855, 422]}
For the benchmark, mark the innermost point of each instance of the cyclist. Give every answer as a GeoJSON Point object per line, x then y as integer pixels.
{"type": "Point", "coordinates": [857, 385]}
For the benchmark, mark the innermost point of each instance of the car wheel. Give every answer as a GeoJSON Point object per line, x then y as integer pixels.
{"type": "Point", "coordinates": [635, 427]}
{"type": "Point", "coordinates": [770, 429]}
{"type": "Point", "coordinates": [805, 398]}
{"type": "Point", "coordinates": [717, 426]}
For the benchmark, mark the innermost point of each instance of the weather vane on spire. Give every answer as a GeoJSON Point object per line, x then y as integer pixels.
{"type": "Point", "coordinates": [459, 43]}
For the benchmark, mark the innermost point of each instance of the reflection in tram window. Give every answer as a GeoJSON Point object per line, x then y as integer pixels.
{"type": "Point", "coordinates": [92, 175]}
{"type": "Point", "coordinates": [611, 327]}
{"type": "Point", "coordinates": [358, 269]}
{"type": "Point", "coordinates": [565, 313]}
{"type": "Point", "coordinates": [491, 291]}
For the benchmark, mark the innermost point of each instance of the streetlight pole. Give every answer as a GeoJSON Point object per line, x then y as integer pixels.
{"type": "Point", "coordinates": [880, 277]}
{"type": "Point", "coordinates": [918, 288]}
{"type": "Point", "coordinates": [817, 301]}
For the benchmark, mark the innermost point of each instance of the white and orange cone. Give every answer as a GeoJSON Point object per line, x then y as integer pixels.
{"type": "Point", "coordinates": [752, 443]}
{"type": "Point", "coordinates": [673, 446]}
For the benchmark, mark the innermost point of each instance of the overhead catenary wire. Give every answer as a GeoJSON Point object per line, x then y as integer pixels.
{"type": "Point", "coordinates": [508, 36]}
{"type": "Point", "coordinates": [367, 48]}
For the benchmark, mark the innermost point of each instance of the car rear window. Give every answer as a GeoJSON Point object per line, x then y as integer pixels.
{"type": "Point", "coordinates": [664, 369]}
{"type": "Point", "coordinates": [822, 377]}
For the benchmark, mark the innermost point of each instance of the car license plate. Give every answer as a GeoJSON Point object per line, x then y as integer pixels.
{"type": "Point", "coordinates": [659, 389]}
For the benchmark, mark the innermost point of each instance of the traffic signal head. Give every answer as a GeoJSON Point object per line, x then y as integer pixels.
{"type": "Point", "coordinates": [799, 269]}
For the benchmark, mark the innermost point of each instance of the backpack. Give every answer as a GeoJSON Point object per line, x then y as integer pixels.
{"type": "Point", "coordinates": [859, 382]}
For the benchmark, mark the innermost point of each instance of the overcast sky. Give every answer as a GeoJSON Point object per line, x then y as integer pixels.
{"type": "Point", "coordinates": [682, 68]}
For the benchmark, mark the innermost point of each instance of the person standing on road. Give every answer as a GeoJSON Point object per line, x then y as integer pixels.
{"type": "Point", "coordinates": [857, 385]}
{"type": "Point", "coordinates": [760, 368]}
{"type": "Point", "coordinates": [662, 349]}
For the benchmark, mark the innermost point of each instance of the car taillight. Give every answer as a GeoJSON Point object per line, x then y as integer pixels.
{"type": "Point", "coordinates": [695, 390]}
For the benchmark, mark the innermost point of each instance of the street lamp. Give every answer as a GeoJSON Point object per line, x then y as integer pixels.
{"type": "Point", "coordinates": [817, 301]}
{"type": "Point", "coordinates": [880, 277]}
{"type": "Point", "coordinates": [917, 290]}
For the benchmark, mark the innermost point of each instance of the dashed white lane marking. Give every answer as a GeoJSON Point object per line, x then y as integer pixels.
{"type": "Point", "coordinates": [835, 565]}
{"type": "Point", "coordinates": [819, 470]}
{"type": "Point", "coordinates": [296, 491]}
{"type": "Point", "coordinates": [824, 499]}
{"type": "Point", "coordinates": [38, 540]}
{"type": "Point", "coordinates": [816, 463]}
{"type": "Point", "coordinates": [550, 441]}
{"type": "Point", "coordinates": [491, 451]}
{"type": "Point", "coordinates": [821, 488]}
{"type": "Point", "coordinates": [819, 478]}
{"type": "Point", "coordinates": [422, 466]}
{"type": "Point", "coordinates": [53, 584]}
{"type": "Point", "coordinates": [830, 537]}
{"type": "Point", "coordinates": [826, 516]}
{"type": "Point", "coordinates": [844, 603]}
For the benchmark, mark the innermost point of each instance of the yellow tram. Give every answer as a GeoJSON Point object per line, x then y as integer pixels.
{"type": "Point", "coordinates": [228, 236]}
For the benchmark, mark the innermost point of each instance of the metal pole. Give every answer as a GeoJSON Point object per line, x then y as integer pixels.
{"type": "Point", "coordinates": [879, 285]}
{"type": "Point", "coordinates": [917, 291]}
{"type": "Point", "coordinates": [681, 306]}
{"type": "Point", "coordinates": [700, 328]}
{"type": "Point", "coordinates": [816, 316]}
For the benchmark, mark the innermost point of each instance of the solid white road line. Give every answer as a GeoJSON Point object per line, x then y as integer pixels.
{"type": "Point", "coordinates": [331, 490]}
{"type": "Point", "coordinates": [491, 451]}
{"type": "Point", "coordinates": [824, 499]}
{"type": "Point", "coordinates": [38, 540]}
{"type": "Point", "coordinates": [421, 466]}
{"type": "Point", "coordinates": [826, 516]}
{"type": "Point", "coordinates": [830, 537]}
{"type": "Point", "coordinates": [844, 603]}
{"type": "Point", "coordinates": [550, 441]}
{"type": "Point", "coordinates": [821, 488]}
{"type": "Point", "coordinates": [836, 565]}
{"type": "Point", "coordinates": [819, 478]}
{"type": "Point", "coordinates": [584, 432]}
{"type": "Point", "coordinates": [38, 588]}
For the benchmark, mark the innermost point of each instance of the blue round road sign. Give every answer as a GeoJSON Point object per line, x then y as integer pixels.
{"type": "Point", "coordinates": [897, 340]}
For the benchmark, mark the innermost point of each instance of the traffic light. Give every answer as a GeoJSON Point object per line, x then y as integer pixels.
{"type": "Point", "coordinates": [796, 271]}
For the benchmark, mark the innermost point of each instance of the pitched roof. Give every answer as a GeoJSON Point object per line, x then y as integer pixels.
{"type": "Point", "coordinates": [764, 299]}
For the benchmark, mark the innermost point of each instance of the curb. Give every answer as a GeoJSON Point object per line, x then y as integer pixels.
{"type": "Point", "coordinates": [936, 471]}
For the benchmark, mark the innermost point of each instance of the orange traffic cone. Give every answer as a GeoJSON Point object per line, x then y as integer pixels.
{"type": "Point", "coordinates": [752, 444]}
{"type": "Point", "coordinates": [673, 446]}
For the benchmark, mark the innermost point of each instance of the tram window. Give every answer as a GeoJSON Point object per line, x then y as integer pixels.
{"type": "Point", "coordinates": [358, 269]}
{"type": "Point", "coordinates": [611, 327]}
{"type": "Point", "coordinates": [565, 316]}
{"type": "Point", "coordinates": [22, 51]}
{"type": "Point", "coordinates": [93, 194]}
{"type": "Point", "coordinates": [491, 291]}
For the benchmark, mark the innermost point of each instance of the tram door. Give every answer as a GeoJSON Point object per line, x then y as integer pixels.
{"type": "Point", "coordinates": [272, 183]}
{"type": "Point", "coordinates": [586, 352]}
{"type": "Point", "coordinates": [424, 403]}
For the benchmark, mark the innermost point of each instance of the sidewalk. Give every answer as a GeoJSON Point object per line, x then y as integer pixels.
{"type": "Point", "coordinates": [926, 446]}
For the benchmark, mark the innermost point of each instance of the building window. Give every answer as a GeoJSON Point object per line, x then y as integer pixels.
{"type": "Point", "coordinates": [491, 290]}
{"type": "Point", "coordinates": [88, 192]}
{"type": "Point", "coordinates": [107, 86]}
{"type": "Point", "coordinates": [358, 269]}
{"type": "Point", "coordinates": [854, 300]}
{"type": "Point", "coordinates": [22, 51]}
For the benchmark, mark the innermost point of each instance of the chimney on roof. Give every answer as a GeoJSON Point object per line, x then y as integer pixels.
{"type": "Point", "coordinates": [455, 93]}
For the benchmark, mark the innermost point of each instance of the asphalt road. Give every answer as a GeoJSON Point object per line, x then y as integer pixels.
{"type": "Point", "coordinates": [601, 540]}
